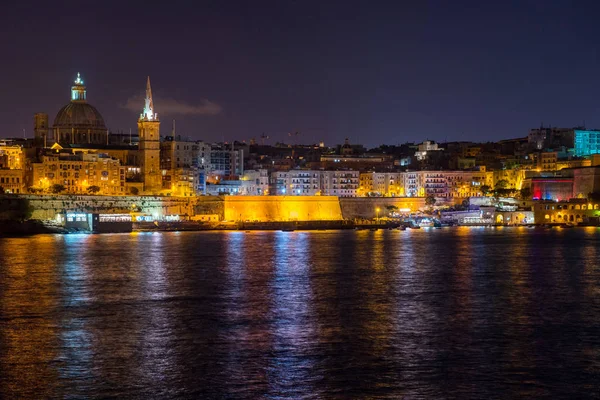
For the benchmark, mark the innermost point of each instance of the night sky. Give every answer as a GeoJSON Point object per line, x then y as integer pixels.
{"type": "Point", "coordinates": [370, 71]}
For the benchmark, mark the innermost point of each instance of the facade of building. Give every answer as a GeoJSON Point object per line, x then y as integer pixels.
{"type": "Point", "coordinates": [79, 171]}
{"type": "Point", "coordinates": [424, 148]}
{"type": "Point", "coordinates": [255, 183]}
{"type": "Point", "coordinates": [571, 212]}
{"type": "Point", "coordinates": [149, 134]}
{"type": "Point", "coordinates": [439, 184]}
{"type": "Point", "coordinates": [179, 166]}
{"type": "Point", "coordinates": [339, 183]}
{"type": "Point", "coordinates": [314, 182]}
{"type": "Point", "coordinates": [550, 137]}
{"type": "Point", "coordinates": [11, 157]}
{"type": "Point", "coordinates": [76, 123]}
{"type": "Point", "coordinates": [297, 182]}
{"type": "Point", "coordinates": [360, 163]}
{"type": "Point", "coordinates": [564, 184]}
{"type": "Point", "coordinates": [587, 142]}
{"type": "Point", "coordinates": [555, 188]}
{"type": "Point", "coordinates": [12, 181]}
{"type": "Point", "coordinates": [547, 161]}
{"type": "Point", "coordinates": [224, 163]}
{"type": "Point", "coordinates": [79, 126]}
{"type": "Point", "coordinates": [586, 181]}
{"type": "Point", "coordinates": [12, 166]}
{"type": "Point", "coordinates": [384, 184]}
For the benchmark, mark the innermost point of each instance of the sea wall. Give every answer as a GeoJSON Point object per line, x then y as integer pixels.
{"type": "Point", "coordinates": [210, 206]}
{"type": "Point", "coordinates": [366, 207]}
{"type": "Point", "coordinates": [228, 208]}
{"type": "Point", "coordinates": [282, 208]}
{"type": "Point", "coordinates": [45, 207]}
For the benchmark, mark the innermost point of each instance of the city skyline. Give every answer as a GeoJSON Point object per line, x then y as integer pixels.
{"type": "Point", "coordinates": [373, 74]}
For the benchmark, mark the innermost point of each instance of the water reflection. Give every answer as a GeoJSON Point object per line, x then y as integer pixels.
{"type": "Point", "coordinates": [28, 328]}
{"type": "Point", "coordinates": [385, 314]}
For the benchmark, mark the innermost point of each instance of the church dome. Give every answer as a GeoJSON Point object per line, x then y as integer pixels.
{"type": "Point", "coordinates": [79, 122]}
{"type": "Point", "coordinates": [79, 115]}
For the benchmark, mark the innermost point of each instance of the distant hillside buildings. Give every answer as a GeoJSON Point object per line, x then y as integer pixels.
{"type": "Point", "coordinates": [77, 154]}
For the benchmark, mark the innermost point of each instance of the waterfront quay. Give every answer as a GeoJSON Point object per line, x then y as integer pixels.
{"type": "Point", "coordinates": [105, 214]}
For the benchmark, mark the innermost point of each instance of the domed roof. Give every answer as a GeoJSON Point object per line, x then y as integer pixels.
{"type": "Point", "coordinates": [79, 115]}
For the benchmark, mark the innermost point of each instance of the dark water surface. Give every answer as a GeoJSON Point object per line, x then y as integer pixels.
{"type": "Point", "coordinates": [450, 313]}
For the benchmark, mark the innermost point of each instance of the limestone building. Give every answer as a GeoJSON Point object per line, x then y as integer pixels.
{"type": "Point", "coordinates": [149, 134]}
{"type": "Point", "coordinates": [78, 122]}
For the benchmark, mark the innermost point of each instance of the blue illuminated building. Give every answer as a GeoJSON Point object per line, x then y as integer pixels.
{"type": "Point", "coordinates": [587, 143]}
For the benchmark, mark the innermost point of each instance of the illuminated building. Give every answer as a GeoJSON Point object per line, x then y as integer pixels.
{"type": "Point", "coordinates": [149, 134]}
{"type": "Point", "coordinates": [514, 178]}
{"type": "Point", "coordinates": [76, 123]}
{"type": "Point", "coordinates": [551, 188]}
{"type": "Point", "coordinates": [424, 148]}
{"type": "Point", "coordinates": [578, 163]}
{"type": "Point", "coordinates": [313, 182]}
{"type": "Point", "coordinates": [413, 184]}
{"type": "Point", "coordinates": [547, 160]}
{"type": "Point", "coordinates": [79, 171]}
{"type": "Point", "coordinates": [80, 128]}
{"type": "Point", "coordinates": [179, 166]}
{"type": "Point", "coordinates": [11, 180]}
{"type": "Point", "coordinates": [564, 184]}
{"type": "Point", "coordinates": [255, 182]}
{"type": "Point", "coordinates": [439, 184]}
{"type": "Point", "coordinates": [450, 184]}
{"type": "Point", "coordinates": [339, 183]}
{"type": "Point", "coordinates": [572, 212]}
{"type": "Point", "coordinates": [365, 184]}
{"type": "Point", "coordinates": [385, 184]}
{"type": "Point", "coordinates": [587, 142]}
{"type": "Point", "coordinates": [296, 182]}
{"type": "Point", "coordinates": [11, 157]}
{"type": "Point", "coordinates": [12, 162]}
{"type": "Point", "coordinates": [98, 223]}
{"type": "Point", "coordinates": [585, 181]}
{"type": "Point", "coordinates": [224, 162]}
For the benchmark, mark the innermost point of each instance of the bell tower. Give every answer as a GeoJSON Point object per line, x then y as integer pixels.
{"type": "Point", "coordinates": [149, 132]}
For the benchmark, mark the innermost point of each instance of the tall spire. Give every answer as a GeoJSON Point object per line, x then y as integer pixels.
{"type": "Point", "coordinates": [148, 113]}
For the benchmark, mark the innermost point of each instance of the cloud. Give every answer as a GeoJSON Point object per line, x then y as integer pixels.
{"type": "Point", "coordinates": [167, 106]}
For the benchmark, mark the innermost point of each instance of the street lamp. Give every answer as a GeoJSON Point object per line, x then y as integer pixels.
{"type": "Point", "coordinates": [377, 211]}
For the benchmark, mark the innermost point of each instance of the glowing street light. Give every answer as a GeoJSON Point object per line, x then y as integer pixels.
{"type": "Point", "coordinates": [377, 213]}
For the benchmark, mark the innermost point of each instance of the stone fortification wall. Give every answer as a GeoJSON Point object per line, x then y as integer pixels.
{"type": "Point", "coordinates": [47, 206]}
{"type": "Point", "coordinates": [366, 207]}
{"type": "Point", "coordinates": [229, 208]}
{"type": "Point", "coordinates": [210, 205]}
{"type": "Point", "coordinates": [282, 208]}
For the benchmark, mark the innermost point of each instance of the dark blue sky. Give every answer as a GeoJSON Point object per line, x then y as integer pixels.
{"type": "Point", "coordinates": [371, 71]}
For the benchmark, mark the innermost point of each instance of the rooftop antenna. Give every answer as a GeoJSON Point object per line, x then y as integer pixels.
{"type": "Point", "coordinates": [173, 131]}
{"type": "Point", "coordinates": [262, 138]}
{"type": "Point", "coordinates": [130, 141]}
{"type": "Point", "coordinates": [23, 133]}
